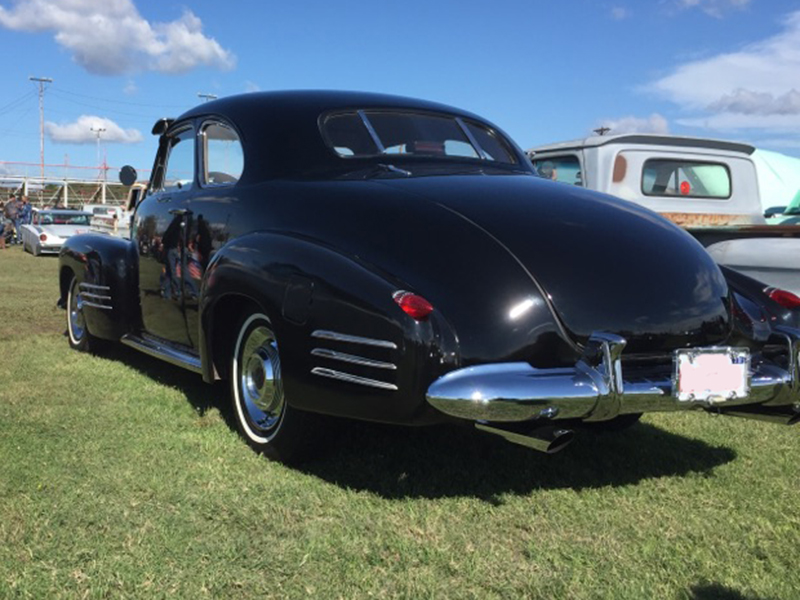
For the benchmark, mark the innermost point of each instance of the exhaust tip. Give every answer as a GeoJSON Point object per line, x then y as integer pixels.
{"type": "Point", "coordinates": [544, 439]}
{"type": "Point", "coordinates": [561, 439]}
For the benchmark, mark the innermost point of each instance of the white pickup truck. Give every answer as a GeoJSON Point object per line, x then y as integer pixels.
{"type": "Point", "coordinates": [709, 187]}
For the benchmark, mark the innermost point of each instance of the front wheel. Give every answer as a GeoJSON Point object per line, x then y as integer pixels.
{"type": "Point", "coordinates": [263, 416]}
{"type": "Point", "coordinates": [79, 337]}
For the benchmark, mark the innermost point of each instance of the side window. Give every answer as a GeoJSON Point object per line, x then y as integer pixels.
{"type": "Point", "coordinates": [566, 169]}
{"type": "Point", "coordinates": [180, 161]}
{"type": "Point", "coordinates": [223, 157]}
{"type": "Point", "coordinates": [687, 178]}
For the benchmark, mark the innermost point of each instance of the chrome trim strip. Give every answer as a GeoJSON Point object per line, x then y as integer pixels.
{"type": "Point", "coordinates": [169, 354]}
{"type": "Point", "coordinates": [94, 296]}
{"type": "Point", "coordinates": [350, 358]}
{"type": "Point", "coordinates": [352, 339]}
{"type": "Point", "coordinates": [371, 131]}
{"type": "Point", "coordinates": [94, 305]}
{"type": "Point", "coordinates": [331, 374]}
{"type": "Point", "coordinates": [105, 288]}
{"type": "Point", "coordinates": [471, 138]}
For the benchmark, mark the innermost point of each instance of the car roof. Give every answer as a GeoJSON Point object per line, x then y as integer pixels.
{"type": "Point", "coordinates": [280, 131]}
{"type": "Point", "coordinates": [645, 139]}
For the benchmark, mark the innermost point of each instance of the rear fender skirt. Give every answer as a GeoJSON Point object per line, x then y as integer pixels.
{"type": "Point", "coordinates": [107, 272]}
{"type": "Point", "coordinates": [346, 346]}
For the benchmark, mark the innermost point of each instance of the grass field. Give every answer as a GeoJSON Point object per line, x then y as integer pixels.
{"type": "Point", "coordinates": [121, 476]}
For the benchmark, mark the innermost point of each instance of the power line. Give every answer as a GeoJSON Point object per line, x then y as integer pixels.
{"type": "Point", "coordinates": [63, 91]}
{"type": "Point", "coordinates": [17, 102]}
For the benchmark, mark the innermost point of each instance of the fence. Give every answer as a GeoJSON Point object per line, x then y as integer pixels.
{"type": "Point", "coordinates": [62, 185]}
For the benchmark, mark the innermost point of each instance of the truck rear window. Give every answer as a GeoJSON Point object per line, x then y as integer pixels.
{"type": "Point", "coordinates": [688, 178]}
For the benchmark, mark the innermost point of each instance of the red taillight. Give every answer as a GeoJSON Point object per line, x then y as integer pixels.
{"type": "Point", "coordinates": [413, 305]}
{"type": "Point", "coordinates": [43, 237]}
{"type": "Point", "coordinates": [784, 298]}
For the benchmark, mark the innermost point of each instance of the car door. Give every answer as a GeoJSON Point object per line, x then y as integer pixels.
{"type": "Point", "coordinates": [160, 232]}
{"type": "Point", "coordinates": [220, 164]}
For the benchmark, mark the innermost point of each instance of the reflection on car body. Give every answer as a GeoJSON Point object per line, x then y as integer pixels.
{"type": "Point", "coordinates": [389, 259]}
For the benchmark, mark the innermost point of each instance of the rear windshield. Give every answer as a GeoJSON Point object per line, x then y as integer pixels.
{"type": "Point", "coordinates": [368, 133]}
{"type": "Point", "coordinates": [687, 178]}
{"type": "Point", "coordinates": [65, 218]}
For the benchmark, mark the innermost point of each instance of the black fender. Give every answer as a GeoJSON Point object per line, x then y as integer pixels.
{"type": "Point", "coordinates": [107, 270]}
{"type": "Point", "coordinates": [313, 294]}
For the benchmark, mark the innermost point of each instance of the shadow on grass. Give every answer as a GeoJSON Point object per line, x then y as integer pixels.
{"type": "Point", "coordinates": [715, 591]}
{"type": "Point", "coordinates": [445, 461]}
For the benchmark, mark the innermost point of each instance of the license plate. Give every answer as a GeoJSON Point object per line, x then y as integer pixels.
{"type": "Point", "coordinates": [712, 375]}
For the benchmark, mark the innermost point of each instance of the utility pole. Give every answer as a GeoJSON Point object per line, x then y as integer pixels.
{"type": "Point", "coordinates": [207, 97]}
{"type": "Point", "coordinates": [41, 81]}
{"type": "Point", "coordinates": [98, 131]}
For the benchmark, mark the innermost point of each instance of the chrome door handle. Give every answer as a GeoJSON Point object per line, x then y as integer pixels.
{"type": "Point", "coordinates": [180, 212]}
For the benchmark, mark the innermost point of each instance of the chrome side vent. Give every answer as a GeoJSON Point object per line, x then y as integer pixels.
{"type": "Point", "coordinates": [352, 339]}
{"type": "Point", "coordinates": [363, 368]}
{"type": "Point", "coordinates": [96, 296]}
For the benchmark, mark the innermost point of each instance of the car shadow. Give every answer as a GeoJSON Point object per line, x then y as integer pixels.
{"type": "Point", "coordinates": [398, 462]}
{"type": "Point", "coordinates": [716, 591]}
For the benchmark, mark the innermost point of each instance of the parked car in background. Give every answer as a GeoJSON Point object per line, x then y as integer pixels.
{"type": "Point", "coordinates": [395, 260]}
{"type": "Point", "coordinates": [709, 187]}
{"type": "Point", "coordinates": [110, 219]}
{"type": "Point", "coordinates": [50, 228]}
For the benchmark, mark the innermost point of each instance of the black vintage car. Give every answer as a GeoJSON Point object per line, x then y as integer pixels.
{"type": "Point", "coordinates": [395, 260]}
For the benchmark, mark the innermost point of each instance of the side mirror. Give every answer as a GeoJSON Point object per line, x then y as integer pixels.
{"type": "Point", "coordinates": [774, 211]}
{"type": "Point", "coordinates": [127, 175]}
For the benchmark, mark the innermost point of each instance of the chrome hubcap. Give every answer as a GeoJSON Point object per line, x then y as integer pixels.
{"type": "Point", "coordinates": [260, 378]}
{"type": "Point", "coordinates": [77, 322]}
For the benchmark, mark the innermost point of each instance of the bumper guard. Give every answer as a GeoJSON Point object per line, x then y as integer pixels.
{"type": "Point", "coordinates": [596, 389]}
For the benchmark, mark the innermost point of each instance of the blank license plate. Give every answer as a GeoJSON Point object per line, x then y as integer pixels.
{"type": "Point", "coordinates": [712, 374]}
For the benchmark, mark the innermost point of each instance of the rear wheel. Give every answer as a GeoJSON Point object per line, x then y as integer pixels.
{"type": "Point", "coordinates": [263, 416]}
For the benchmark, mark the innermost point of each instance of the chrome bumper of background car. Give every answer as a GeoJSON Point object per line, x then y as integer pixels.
{"type": "Point", "coordinates": [596, 389]}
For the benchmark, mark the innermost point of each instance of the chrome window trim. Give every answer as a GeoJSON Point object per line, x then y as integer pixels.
{"type": "Point", "coordinates": [203, 152]}
{"type": "Point", "coordinates": [471, 138]}
{"type": "Point", "coordinates": [372, 132]}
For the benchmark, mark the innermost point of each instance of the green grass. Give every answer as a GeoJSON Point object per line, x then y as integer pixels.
{"type": "Point", "coordinates": [121, 476]}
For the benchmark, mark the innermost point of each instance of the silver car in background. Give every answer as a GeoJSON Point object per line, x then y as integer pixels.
{"type": "Point", "coordinates": [49, 228]}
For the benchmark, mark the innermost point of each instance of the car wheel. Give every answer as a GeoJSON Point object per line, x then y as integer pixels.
{"type": "Point", "coordinates": [264, 418]}
{"type": "Point", "coordinates": [79, 337]}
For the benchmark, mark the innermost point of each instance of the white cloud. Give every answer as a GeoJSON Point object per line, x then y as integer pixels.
{"type": "Point", "coordinates": [752, 88]}
{"type": "Point", "coordinates": [618, 13]}
{"type": "Point", "coordinates": [250, 86]}
{"type": "Point", "coordinates": [81, 131]}
{"type": "Point", "coordinates": [130, 88]}
{"type": "Point", "coordinates": [747, 102]}
{"type": "Point", "coordinates": [761, 67]}
{"type": "Point", "coordinates": [714, 8]}
{"type": "Point", "coordinates": [655, 123]}
{"type": "Point", "coordinates": [110, 37]}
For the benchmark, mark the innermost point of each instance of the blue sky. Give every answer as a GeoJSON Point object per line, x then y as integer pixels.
{"type": "Point", "coordinates": [542, 71]}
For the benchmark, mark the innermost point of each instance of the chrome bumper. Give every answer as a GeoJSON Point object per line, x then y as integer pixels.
{"type": "Point", "coordinates": [596, 389]}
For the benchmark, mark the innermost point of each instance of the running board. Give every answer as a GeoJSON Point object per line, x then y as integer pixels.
{"type": "Point", "coordinates": [167, 353]}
